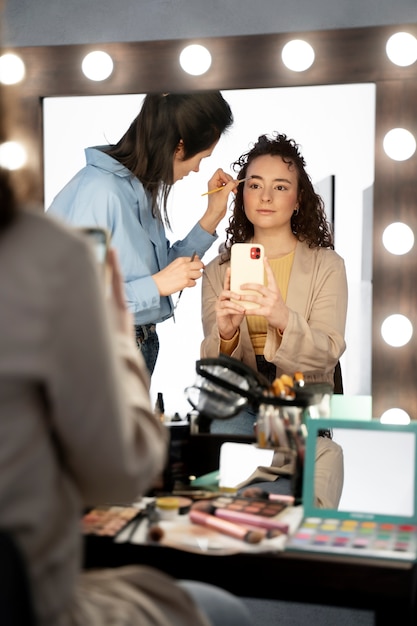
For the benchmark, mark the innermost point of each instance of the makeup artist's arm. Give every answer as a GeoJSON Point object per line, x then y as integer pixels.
{"type": "Point", "coordinates": [111, 442]}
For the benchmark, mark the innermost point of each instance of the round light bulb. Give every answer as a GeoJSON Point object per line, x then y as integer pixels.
{"type": "Point", "coordinates": [195, 60]}
{"type": "Point", "coordinates": [398, 238]}
{"type": "Point", "coordinates": [395, 416]}
{"type": "Point", "coordinates": [97, 65]}
{"type": "Point", "coordinates": [12, 69]}
{"type": "Point", "coordinates": [401, 49]}
{"type": "Point", "coordinates": [12, 155]}
{"type": "Point", "coordinates": [399, 144]}
{"type": "Point", "coordinates": [396, 330]}
{"type": "Point", "coordinates": [297, 55]}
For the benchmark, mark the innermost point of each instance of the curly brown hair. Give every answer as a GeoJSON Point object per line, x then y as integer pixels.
{"type": "Point", "coordinates": [308, 224]}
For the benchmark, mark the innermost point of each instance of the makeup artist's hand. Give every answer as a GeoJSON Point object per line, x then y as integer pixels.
{"type": "Point", "coordinates": [229, 314]}
{"type": "Point", "coordinates": [179, 274]}
{"type": "Point", "coordinates": [217, 202]}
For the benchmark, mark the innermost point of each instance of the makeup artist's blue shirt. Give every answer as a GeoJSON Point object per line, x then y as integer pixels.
{"type": "Point", "coordinates": [105, 193]}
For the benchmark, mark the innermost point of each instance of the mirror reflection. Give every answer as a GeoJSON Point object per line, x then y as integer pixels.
{"type": "Point", "coordinates": [379, 471]}
{"type": "Point", "coordinates": [341, 153]}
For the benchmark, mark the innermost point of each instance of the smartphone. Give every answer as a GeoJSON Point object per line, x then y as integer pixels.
{"type": "Point", "coordinates": [99, 238]}
{"type": "Point", "coordinates": [246, 266]}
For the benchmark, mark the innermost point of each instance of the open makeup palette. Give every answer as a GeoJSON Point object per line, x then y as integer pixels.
{"type": "Point", "coordinates": [377, 512]}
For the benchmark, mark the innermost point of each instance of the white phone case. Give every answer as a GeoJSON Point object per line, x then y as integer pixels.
{"type": "Point", "coordinates": [247, 266]}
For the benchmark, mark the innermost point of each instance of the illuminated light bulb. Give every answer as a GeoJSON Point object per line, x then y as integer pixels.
{"type": "Point", "coordinates": [12, 155]}
{"type": "Point", "coordinates": [396, 330]}
{"type": "Point", "coordinates": [395, 416]}
{"type": "Point", "coordinates": [401, 49]}
{"type": "Point", "coordinates": [398, 238]}
{"type": "Point", "coordinates": [399, 144]}
{"type": "Point", "coordinates": [195, 60]}
{"type": "Point", "coordinates": [97, 65]}
{"type": "Point", "coordinates": [298, 55]}
{"type": "Point", "coordinates": [12, 69]}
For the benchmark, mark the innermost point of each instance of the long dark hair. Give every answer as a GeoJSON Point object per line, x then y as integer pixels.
{"type": "Point", "coordinates": [148, 147]}
{"type": "Point", "coordinates": [308, 224]}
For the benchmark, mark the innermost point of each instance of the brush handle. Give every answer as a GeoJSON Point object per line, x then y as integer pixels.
{"type": "Point", "coordinates": [248, 518]}
{"type": "Point", "coordinates": [207, 193]}
{"type": "Point", "coordinates": [222, 526]}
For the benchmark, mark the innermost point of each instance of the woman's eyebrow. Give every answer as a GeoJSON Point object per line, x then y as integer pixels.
{"type": "Point", "coordinates": [275, 180]}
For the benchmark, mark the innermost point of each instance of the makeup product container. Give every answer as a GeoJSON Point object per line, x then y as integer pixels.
{"type": "Point", "coordinates": [167, 507]}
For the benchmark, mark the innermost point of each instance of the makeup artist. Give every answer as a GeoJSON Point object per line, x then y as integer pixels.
{"type": "Point", "coordinates": [125, 188]}
{"type": "Point", "coordinates": [299, 324]}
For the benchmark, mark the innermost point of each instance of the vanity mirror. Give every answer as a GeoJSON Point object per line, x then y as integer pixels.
{"type": "Point", "coordinates": [348, 57]}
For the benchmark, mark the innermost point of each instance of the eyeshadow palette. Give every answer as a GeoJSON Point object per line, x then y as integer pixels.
{"type": "Point", "coordinates": [376, 515]}
{"type": "Point", "coordinates": [108, 521]}
{"type": "Point", "coordinates": [347, 536]}
{"type": "Point", "coordinates": [254, 506]}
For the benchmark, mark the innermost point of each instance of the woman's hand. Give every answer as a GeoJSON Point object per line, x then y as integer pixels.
{"type": "Point", "coordinates": [269, 299]}
{"type": "Point", "coordinates": [179, 274]}
{"type": "Point", "coordinates": [229, 314]}
{"type": "Point", "coordinates": [217, 202]}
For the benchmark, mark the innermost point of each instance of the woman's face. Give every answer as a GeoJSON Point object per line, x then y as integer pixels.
{"type": "Point", "coordinates": [271, 195]}
{"type": "Point", "coordinates": [182, 168]}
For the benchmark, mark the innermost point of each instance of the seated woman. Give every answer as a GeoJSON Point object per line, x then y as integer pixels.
{"type": "Point", "coordinates": [299, 324]}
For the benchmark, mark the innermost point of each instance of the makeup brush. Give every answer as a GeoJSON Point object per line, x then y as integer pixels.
{"type": "Point", "coordinates": [225, 527]}
{"type": "Point", "coordinates": [207, 193]}
{"type": "Point", "coordinates": [268, 533]}
{"type": "Point", "coordinates": [254, 520]}
{"type": "Point", "coordinates": [256, 492]}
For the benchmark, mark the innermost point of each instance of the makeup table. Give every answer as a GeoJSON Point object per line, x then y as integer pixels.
{"type": "Point", "coordinates": [386, 586]}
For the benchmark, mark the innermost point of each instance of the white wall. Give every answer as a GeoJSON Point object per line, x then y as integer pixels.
{"type": "Point", "coordinates": [313, 117]}
{"type": "Point", "coordinates": [379, 471]}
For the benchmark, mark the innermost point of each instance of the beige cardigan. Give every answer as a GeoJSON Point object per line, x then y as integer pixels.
{"type": "Point", "coordinates": [77, 428]}
{"type": "Point", "coordinates": [314, 338]}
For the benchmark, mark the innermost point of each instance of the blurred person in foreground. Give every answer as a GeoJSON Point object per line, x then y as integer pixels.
{"type": "Point", "coordinates": [77, 429]}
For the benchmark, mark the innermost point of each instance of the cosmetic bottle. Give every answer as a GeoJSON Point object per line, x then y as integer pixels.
{"type": "Point", "coordinates": [160, 407]}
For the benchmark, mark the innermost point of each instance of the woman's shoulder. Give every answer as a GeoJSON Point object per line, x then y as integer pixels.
{"type": "Point", "coordinates": [325, 445]}
{"type": "Point", "coordinates": [216, 265]}
{"type": "Point", "coordinates": [324, 254]}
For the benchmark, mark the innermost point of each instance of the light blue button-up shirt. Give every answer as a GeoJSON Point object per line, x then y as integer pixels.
{"type": "Point", "coordinates": [105, 193]}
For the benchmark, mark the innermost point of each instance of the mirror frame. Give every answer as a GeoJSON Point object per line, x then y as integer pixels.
{"type": "Point", "coordinates": [342, 56]}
